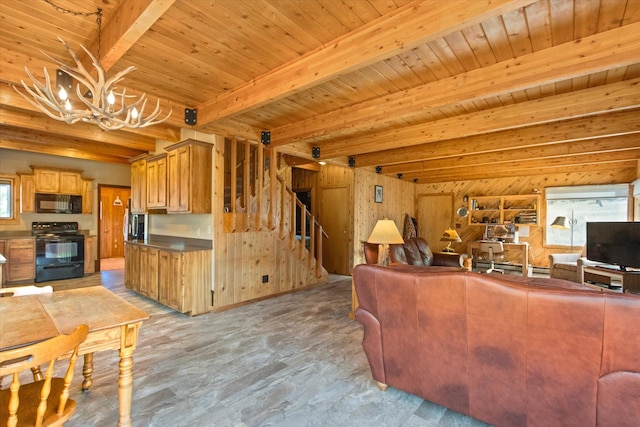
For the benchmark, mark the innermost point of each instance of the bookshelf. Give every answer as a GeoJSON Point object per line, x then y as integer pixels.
{"type": "Point", "coordinates": [521, 210]}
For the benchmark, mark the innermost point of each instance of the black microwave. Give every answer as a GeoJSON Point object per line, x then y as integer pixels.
{"type": "Point", "coordinates": [58, 203]}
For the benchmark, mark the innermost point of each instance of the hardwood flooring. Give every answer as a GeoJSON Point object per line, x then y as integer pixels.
{"type": "Point", "coordinates": [294, 360]}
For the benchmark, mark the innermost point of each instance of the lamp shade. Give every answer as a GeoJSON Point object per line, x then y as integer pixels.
{"type": "Point", "coordinates": [450, 235]}
{"type": "Point", "coordinates": [560, 222]}
{"type": "Point", "coordinates": [385, 231]}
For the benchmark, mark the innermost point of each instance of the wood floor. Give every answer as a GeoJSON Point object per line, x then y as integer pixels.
{"type": "Point", "coordinates": [295, 360]}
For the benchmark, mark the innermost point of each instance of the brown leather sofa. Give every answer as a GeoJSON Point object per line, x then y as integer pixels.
{"type": "Point", "coordinates": [521, 352]}
{"type": "Point", "coordinates": [414, 251]}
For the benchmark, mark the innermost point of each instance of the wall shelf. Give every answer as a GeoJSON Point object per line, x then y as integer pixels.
{"type": "Point", "coordinates": [511, 209]}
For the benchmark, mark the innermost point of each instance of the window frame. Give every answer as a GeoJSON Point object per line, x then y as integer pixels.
{"type": "Point", "coordinates": [14, 181]}
{"type": "Point", "coordinates": [582, 192]}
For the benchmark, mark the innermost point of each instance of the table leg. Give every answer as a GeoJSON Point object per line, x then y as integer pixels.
{"type": "Point", "coordinates": [525, 260]}
{"type": "Point", "coordinates": [128, 339]}
{"type": "Point", "coordinates": [87, 372]}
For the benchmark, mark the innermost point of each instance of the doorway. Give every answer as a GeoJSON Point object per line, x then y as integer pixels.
{"type": "Point", "coordinates": [112, 203]}
{"type": "Point", "coordinates": [333, 217]}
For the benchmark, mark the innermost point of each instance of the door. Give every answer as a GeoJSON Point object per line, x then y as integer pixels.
{"type": "Point", "coordinates": [435, 215]}
{"type": "Point", "coordinates": [333, 217]}
{"type": "Point", "coordinates": [113, 202]}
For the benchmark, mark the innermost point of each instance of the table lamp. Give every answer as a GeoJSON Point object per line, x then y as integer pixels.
{"type": "Point", "coordinates": [450, 235]}
{"type": "Point", "coordinates": [385, 233]}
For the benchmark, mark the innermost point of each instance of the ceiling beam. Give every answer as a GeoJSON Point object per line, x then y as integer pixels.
{"type": "Point", "coordinates": [604, 125]}
{"type": "Point", "coordinates": [597, 100]}
{"type": "Point", "coordinates": [592, 54]}
{"type": "Point", "coordinates": [38, 123]}
{"type": "Point", "coordinates": [597, 165]}
{"type": "Point", "coordinates": [414, 24]}
{"type": "Point", "coordinates": [124, 28]}
{"type": "Point", "coordinates": [602, 146]}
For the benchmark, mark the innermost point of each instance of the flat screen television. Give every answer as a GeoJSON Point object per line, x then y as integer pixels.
{"type": "Point", "coordinates": [616, 243]}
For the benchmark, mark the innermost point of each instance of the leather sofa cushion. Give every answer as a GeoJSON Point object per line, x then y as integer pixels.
{"type": "Point", "coordinates": [412, 252]}
{"type": "Point", "coordinates": [425, 251]}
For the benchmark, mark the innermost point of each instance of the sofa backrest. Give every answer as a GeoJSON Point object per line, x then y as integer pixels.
{"type": "Point", "coordinates": [503, 352]}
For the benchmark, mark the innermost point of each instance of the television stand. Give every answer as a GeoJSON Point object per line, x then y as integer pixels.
{"type": "Point", "coordinates": [629, 279]}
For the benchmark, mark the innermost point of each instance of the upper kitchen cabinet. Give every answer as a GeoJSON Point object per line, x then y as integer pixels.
{"type": "Point", "coordinates": [57, 181]}
{"type": "Point", "coordinates": [189, 173]}
{"type": "Point", "coordinates": [139, 184]}
{"type": "Point", "coordinates": [157, 182]}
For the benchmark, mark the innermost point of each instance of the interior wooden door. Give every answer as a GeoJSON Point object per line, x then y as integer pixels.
{"type": "Point", "coordinates": [333, 217]}
{"type": "Point", "coordinates": [113, 202]}
{"type": "Point", "coordinates": [435, 214]}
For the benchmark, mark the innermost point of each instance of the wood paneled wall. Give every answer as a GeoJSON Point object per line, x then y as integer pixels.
{"type": "Point", "coordinates": [520, 185]}
{"type": "Point", "coordinates": [398, 199]}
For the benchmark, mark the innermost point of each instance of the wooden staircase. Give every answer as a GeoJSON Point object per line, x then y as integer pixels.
{"type": "Point", "coordinates": [259, 199]}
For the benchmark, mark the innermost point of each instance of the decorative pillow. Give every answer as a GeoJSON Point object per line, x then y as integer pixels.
{"type": "Point", "coordinates": [409, 231]}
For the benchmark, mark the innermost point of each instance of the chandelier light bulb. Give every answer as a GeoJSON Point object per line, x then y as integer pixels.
{"type": "Point", "coordinates": [111, 99]}
{"type": "Point", "coordinates": [134, 113]}
{"type": "Point", "coordinates": [67, 105]}
{"type": "Point", "coordinates": [62, 94]}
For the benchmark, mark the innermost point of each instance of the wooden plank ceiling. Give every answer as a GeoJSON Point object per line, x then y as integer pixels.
{"type": "Point", "coordinates": [433, 90]}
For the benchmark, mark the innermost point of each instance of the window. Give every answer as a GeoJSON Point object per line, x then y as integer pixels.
{"type": "Point", "coordinates": [582, 204]}
{"type": "Point", "coordinates": [8, 199]}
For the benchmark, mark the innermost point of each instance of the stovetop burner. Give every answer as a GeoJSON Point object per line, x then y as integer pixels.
{"type": "Point", "coordinates": [38, 228]}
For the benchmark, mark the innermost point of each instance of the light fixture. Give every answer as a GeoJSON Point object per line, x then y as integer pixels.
{"type": "Point", "coordinates": [102, 102]}
{"type": "Point", "coordinates": [564, 223]}
{"type": "Point", "coordinates": [450, 235]}
{"type": "Point", "coordinates": [385, 233]}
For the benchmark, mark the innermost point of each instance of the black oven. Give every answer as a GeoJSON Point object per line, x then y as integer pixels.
{"type": "Point", "coordinates": [59, 250]}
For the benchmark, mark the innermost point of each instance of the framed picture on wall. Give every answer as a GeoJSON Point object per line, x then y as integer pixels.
{"type": "Point", "coordinates": [378, 193]}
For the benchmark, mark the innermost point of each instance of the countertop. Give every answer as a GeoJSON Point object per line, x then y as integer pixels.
{"type": "Point", "coordinates": [176, 244]}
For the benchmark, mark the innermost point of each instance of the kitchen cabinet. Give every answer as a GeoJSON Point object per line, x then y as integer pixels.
{"type": "Point", "coordinates": [149, 272]}
{"type": "Point", "coordinates": [87, 196]}
{"type": "Point", "coordinates": [178, 279]}
{"type": "Point", "coordinates": [132, 267]}
{"type": "Point", "coordinates": [57, 181]}
{"type": "Point", "coordinates": [170, 280]}
{"type": "Point", "coordinates": [90, 254]}
{"type": "Point", "coordinates": [139, 185]}
{"type": "Point", "coordinates": [511, 209]}
{"type": "Point", "coordinates": [21, 259]}
{"type": "Point", "coordinates": [27, 193]}
{"type": "Point", "coordinates": [157, 182]}
{"type": "Point", "coordinates": [3, 251]}
{"type": "Point", "coordinates": [189, 166]}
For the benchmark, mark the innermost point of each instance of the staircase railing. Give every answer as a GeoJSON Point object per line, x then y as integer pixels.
{"type": "Point", "coordinates": [266, 203]}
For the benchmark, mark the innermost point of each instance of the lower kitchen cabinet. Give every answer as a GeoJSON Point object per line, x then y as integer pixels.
{"type": "Point", "coordinates": [21, 259]}
{"type": "Point", "coordinates": [178, 279]}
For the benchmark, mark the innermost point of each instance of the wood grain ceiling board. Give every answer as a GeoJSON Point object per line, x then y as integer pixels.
{"type": "Point", "coordinates": [210, 55]}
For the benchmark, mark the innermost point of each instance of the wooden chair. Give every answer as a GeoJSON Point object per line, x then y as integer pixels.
{"type": "Point", "coordinates": [45, 402]}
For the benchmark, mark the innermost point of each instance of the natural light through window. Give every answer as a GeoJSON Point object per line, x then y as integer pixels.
{"type": "Point", "coordinates": [6, 199]}
{"type": "Point", "coordinates": [582, 204]}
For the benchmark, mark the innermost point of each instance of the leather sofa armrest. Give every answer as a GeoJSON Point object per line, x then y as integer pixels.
{"type": "Point", "coordinates": [448, 259]}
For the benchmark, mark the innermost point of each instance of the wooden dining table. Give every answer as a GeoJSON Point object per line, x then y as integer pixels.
{"type": "Point", "coordinates": [114, 324]}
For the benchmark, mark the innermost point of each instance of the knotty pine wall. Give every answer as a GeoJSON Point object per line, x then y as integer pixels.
{"type": "Point", "coordinates": [520, 185]}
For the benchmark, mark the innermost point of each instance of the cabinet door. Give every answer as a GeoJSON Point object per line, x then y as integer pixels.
{"type": "Point", "coordinates": [70, 183]}
{"type": "Point", "coordinates": [157, 183]}
{"type": "Point", "coordinates": [87, 196]}
{"type": "Point", "coordinates": [90, 254]}
{"type": "Point", "coordinates": [171, 283]}
{"type": "Point", "coordinates": [47, 181]}
{"type": "Point", "coordinates": [149, 272]}
{"type": "Point", "coordinates": [132, 267]}
{"type": "Point", "coordinates": [21, 255]}
{"type": "Point", "coordinates": [139, 186]}
{"type": "Point", "coordinates": [173, 182]}
{"type": "Point", "coordinates": [27, 194]}
{"type": "Point", "coordinates": [3, 267]}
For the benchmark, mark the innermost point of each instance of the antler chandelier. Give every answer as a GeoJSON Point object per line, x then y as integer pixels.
{"type": "Point", "coordinates": [102, 104]}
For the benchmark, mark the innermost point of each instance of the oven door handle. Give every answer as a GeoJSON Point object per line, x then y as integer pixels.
{"type": "Point", "coordinates": [54, 266]}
